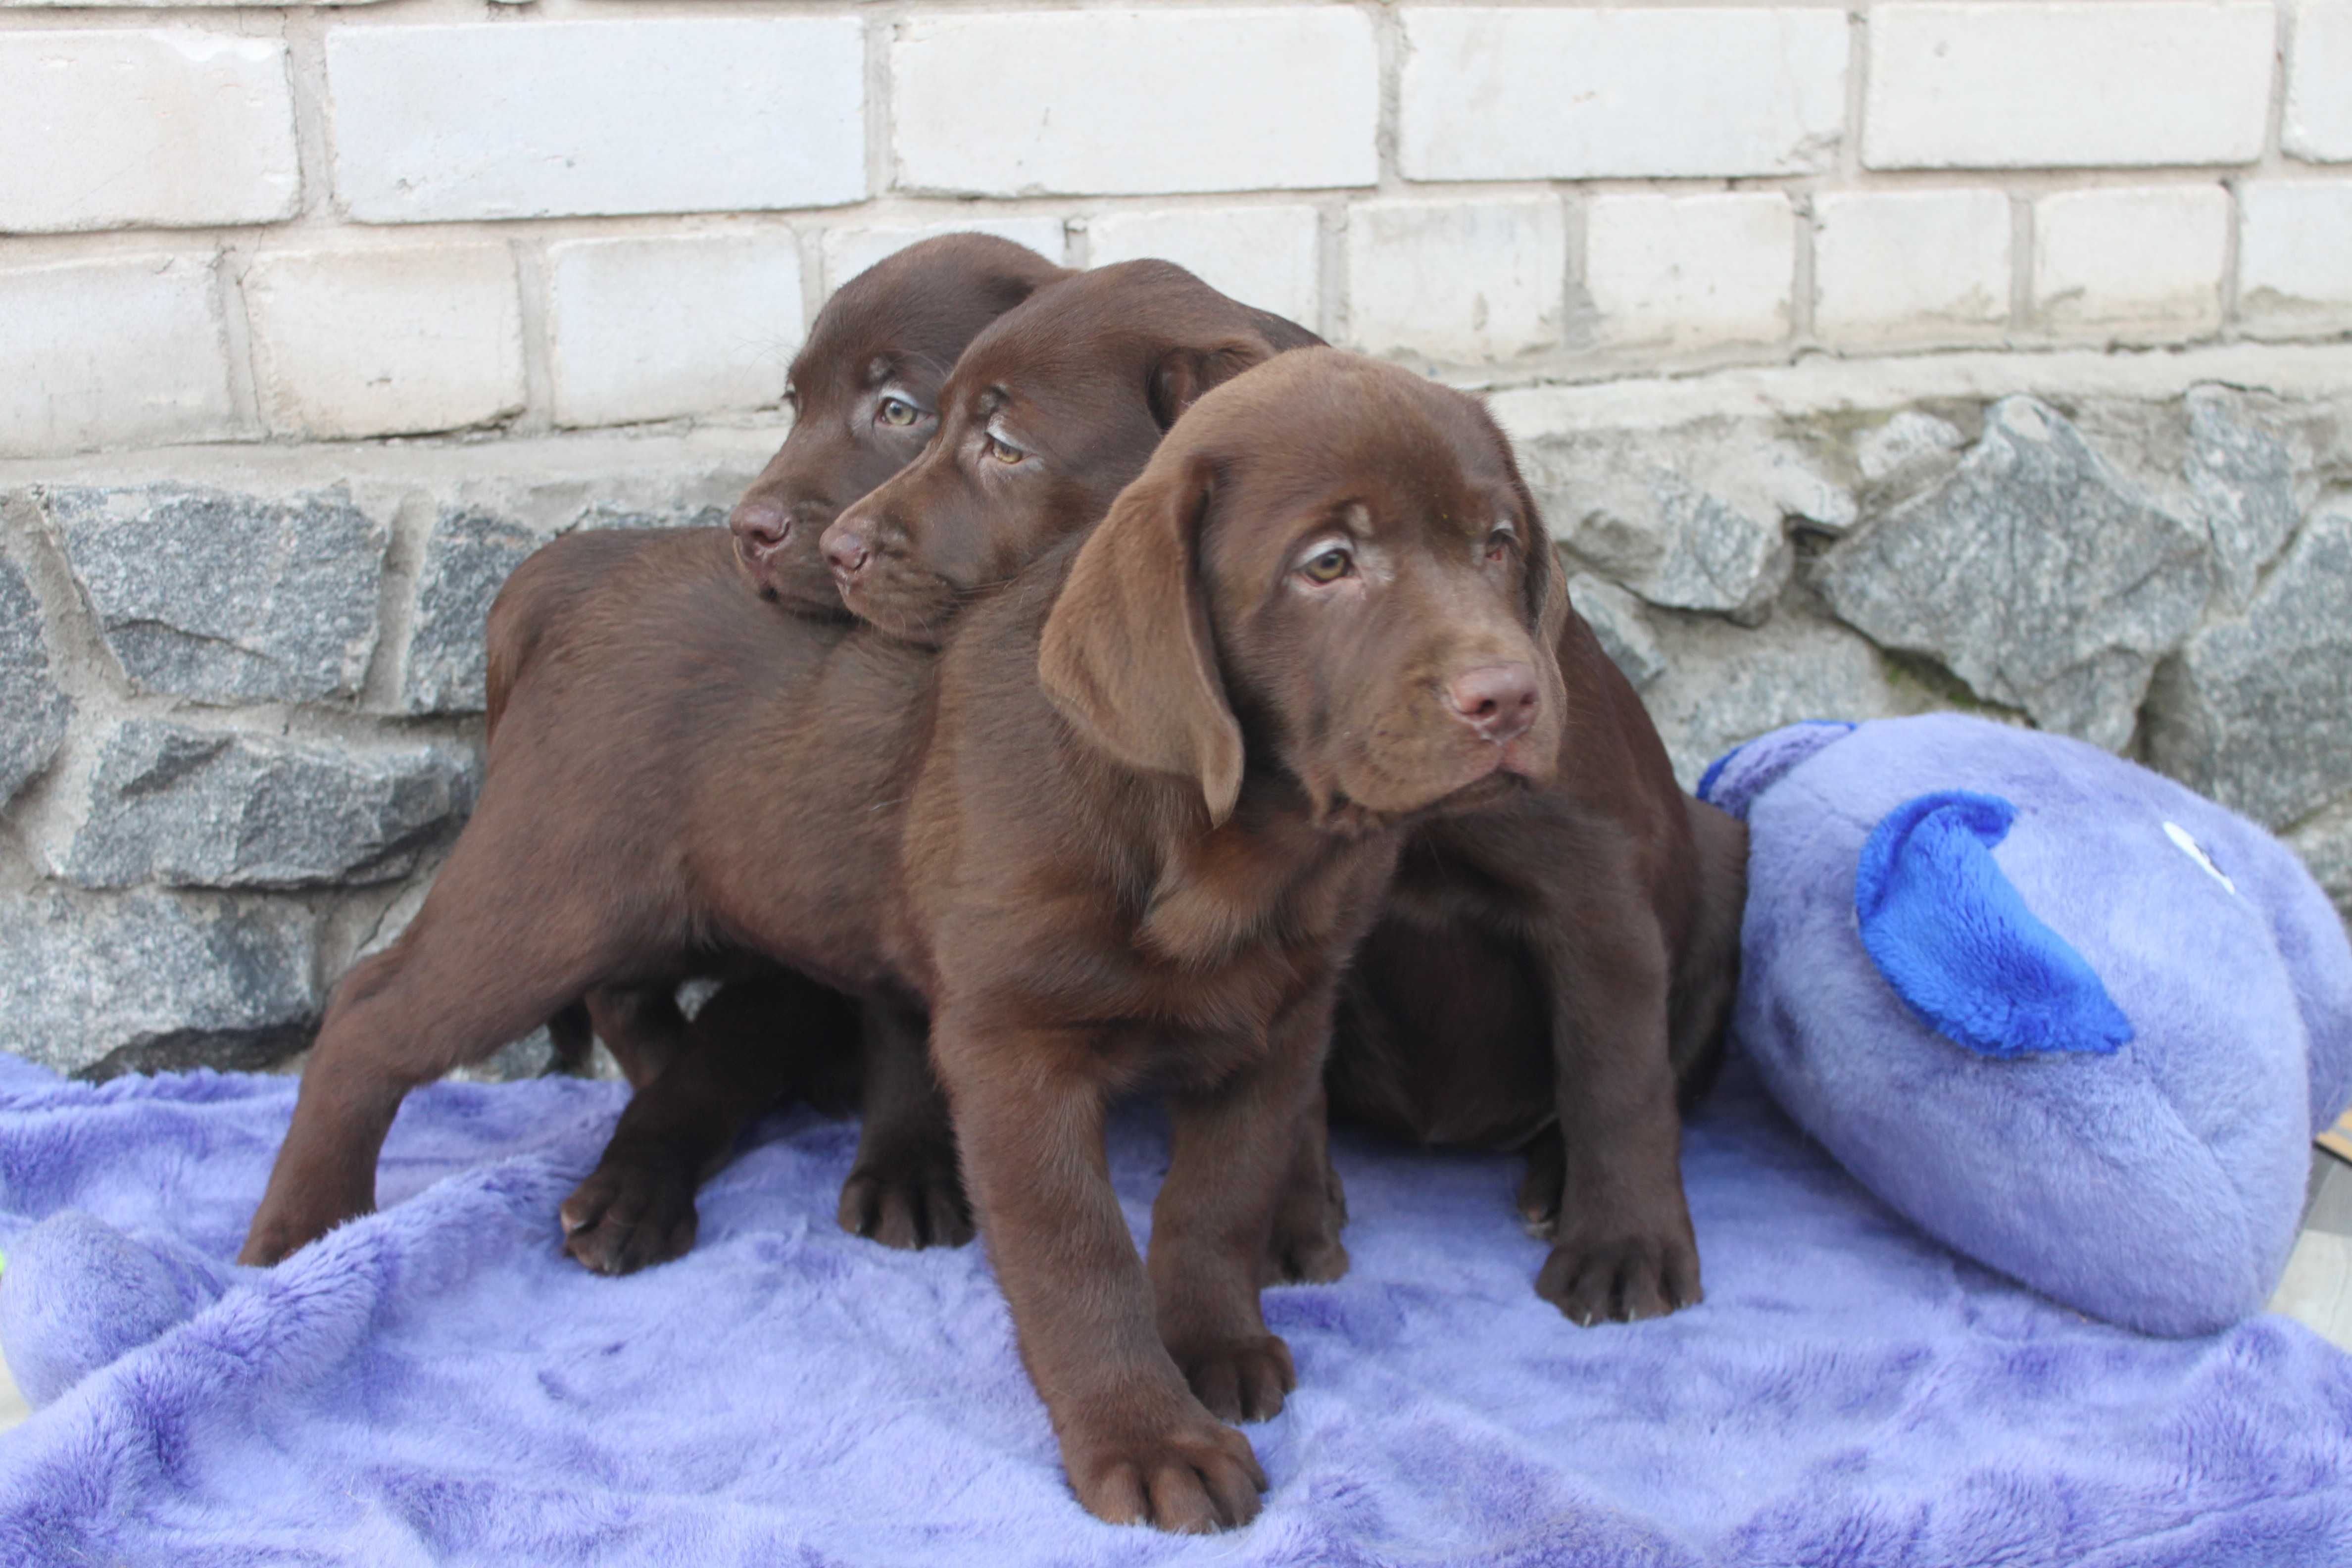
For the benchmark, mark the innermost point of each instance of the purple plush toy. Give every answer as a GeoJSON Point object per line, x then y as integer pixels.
{"type": "Point", "coordinates": [2068, 1017]}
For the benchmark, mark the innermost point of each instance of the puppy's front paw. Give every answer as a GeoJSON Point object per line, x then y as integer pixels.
{"type": "Point", "coordinates": [633, 1210]}
{"type": "Point", "coordinates": [1305, 1247]}
{"type": "Point", "coordinates": [1622, 1279]}
{"type": "Point", "coordinates": [1239, 1380]}
{"type": "Point", "coordinates": [909, 1202]}
{"type": "Point", "coordinates": [1189, 1474]}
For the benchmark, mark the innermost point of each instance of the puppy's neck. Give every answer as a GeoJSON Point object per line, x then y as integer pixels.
{"type": "Point", "coordinates": [1251, 879]}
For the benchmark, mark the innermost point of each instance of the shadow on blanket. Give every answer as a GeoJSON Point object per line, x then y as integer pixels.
{"type": "Point", "coordinates": [438, 1383]}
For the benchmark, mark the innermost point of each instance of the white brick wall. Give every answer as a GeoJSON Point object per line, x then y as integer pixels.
{"type": "Point", "coordinates": [1271, 257]}
{"type": "Point", "coordinates": [648, 329]}
{"type": "Point", "coordinates": [497, 120]}
{"type": "Point", "coordinates": [388, 218]}
{"type": "Point", "coordinates": [1586, 92]}
{"type": "Point", "coordinates": [1908, 266]}
{"type": "Point", "coordinates": [1457, 280]}
{"type": "Point", "coordinates": [164, 130]}
{"type": "Point", "coordinates": [126, 350]}
{"type": "Point", "coordinates": [2067, 83]}
{"type": "Point", "coordinates": [1125, 101]}
{"type": "Point", "coordinates": [386, 341]}
{"type": "Point", "coordinates": [2294, 256]}
{"type": "Point", "coordinates": [2319, 84]}
{"type": "Point", "coordinates": [2131, 257]}
{"type": "Point", "coordinates": [1688, 271]}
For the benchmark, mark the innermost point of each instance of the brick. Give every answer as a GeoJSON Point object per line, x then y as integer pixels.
{"type": "Point", "coordinates": [650, 329]}
{"type": "Point", "coordinates": [542, 120]}
{"type": "Point", "coordinates": [1267, 257]}
{"type": "Point", "coordinates": [1681, 271]}
{"type": "Point", "coordinates": [850, 251]}
{"type": "Point", "coordinates": [2131, 256]}
{"type": "Point", "coordinates": [2091, 82]}
{"type": "Point", "coordinates": [170, 128]}
{"type": "Point", "coordinates": [382, 343]}
{"type": "Point", "coordinates": [1538, 93]}
{"type": "Point", "coordinates": [2318, 124]}
{"type": "Point", "coordinates": [1910, 265]}
{"type": "Point", "coordinates": [2295, 254]}
{"type": "Point", "coordinates": [1457, 282]}
{"type": "Point", "coordinates": [125, 352]}
{"type": "Point", "coordinates": [1136, 101]}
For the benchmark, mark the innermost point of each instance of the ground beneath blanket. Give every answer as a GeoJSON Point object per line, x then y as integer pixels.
{"type": "Point", "coordinates": [438, 1383]}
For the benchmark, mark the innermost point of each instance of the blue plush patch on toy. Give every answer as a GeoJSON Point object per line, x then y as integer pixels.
{"type": "Point", "coordinates": [1918, 882]}
{"type": "Point", "coordinates": [1951, 935]}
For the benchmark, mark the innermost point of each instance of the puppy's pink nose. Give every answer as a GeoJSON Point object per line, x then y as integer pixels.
{"type": "Point", "coordinates": [760, 526]}
{"type": "Point", "coordinates": [1498, 700]}
{"type": "Point", "coordinates": [846, 550]}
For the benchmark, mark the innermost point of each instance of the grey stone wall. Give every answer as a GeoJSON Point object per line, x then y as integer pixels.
{"type": "Point", "coordinates": [239, 689]}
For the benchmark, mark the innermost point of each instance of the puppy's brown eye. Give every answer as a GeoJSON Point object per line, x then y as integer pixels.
{"type": "Point", "coordinates": [896, 411]}
{"type": "Point", "coordinates": [1328, 566]}
{"type": "Point", "coordinates": [1499, 543]}
{"type": "Point", "coordinates": [1002, 451]}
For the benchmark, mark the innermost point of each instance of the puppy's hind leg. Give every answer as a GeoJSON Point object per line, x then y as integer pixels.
{"type": "Point", "coordinates": [465, 978]}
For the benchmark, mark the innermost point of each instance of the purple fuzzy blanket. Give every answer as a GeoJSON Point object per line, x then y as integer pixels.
{"type": "Point", "coordinates": [438, 1383]}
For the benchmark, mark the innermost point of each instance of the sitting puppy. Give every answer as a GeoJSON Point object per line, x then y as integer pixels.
{"type": "Point", "coordinates": [1167, 783]}
{"type": "Point", "coordinates": [672, 780]}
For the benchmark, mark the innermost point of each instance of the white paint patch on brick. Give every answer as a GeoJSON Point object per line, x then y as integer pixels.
{"type": "Point", "coordinates": [1685, 272]}
{"type": "Point", "coordinates": [124, 351]}
{"type": "Point", "coordinates": [850, 251]}
{"type": "Point", "coordinates": [1905, 265]}
{"type": "Point", "coordinates": [2318, 125]}
{"type": "Point", "coordinates": [1266, 257]}
{"type": "Point", "coordinates": [553, 119]}
{"type": "Point", "coordinates": [2087, 82]}
{"type": "Point", "coordinates": [1544, 93]}
{"type": "Point", "coordinates": [1457, 282]}
{"type": "Point", "coordinates": [2120, 257]}
{"type": "Point", "coordinates": [651, 329]}
{"type": "Point", "coordinates": [386, 341]}
{"type": "Point", "coordinates": [1136, 101]}
{"type": "Point", "coordinates": [2295, 254]}
{"type": "Point", "coordinates": [171, 129]}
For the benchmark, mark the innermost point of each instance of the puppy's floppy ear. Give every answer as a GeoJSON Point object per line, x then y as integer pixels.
{"type": "Point", "coordinates": [1184, 372]}
{"type": "Point", "coordinates": [1128, 656]}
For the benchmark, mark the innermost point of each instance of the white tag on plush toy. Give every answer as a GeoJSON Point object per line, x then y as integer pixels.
{"type": "Point", "coordinates": [2196, 851]}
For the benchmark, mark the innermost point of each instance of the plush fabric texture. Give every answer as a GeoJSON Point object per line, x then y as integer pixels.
{"type": "Point", "coordinates": [2158, 1185]}
{"type": "Point", "coordinates": [438, 1383]}
{"type": "Point", "coordinates": [1953, 937]}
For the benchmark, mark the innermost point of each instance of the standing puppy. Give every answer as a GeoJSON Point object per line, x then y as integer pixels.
{"type": "Point", "coordinates": [865, 387]}
{"type": "Point", "coordinates": [1164, 793]}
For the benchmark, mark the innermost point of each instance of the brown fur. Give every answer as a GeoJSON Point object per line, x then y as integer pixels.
{"type": "Point", "coordinates": [680, 777]}
{"type": "Point", "coordinates": [1165, 786]}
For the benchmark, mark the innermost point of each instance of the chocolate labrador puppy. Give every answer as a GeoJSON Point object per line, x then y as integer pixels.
{"type": "Point", "coordinates": [673, 782]}
{"type": "Point", "coordinates": [865, 386]}
{"type": "Point", "coordinates": [1548, 974]}
{"type": "Point", "coordinates": [1165, 786]}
